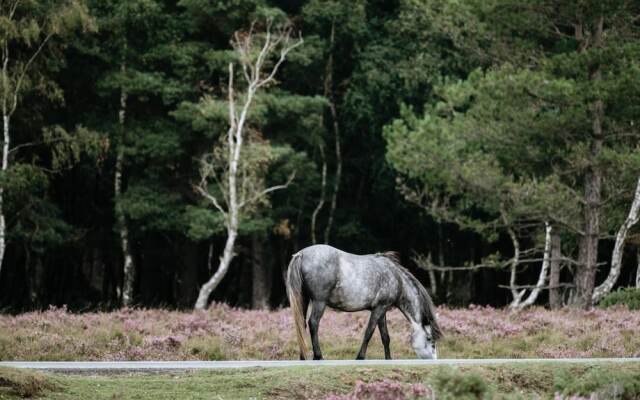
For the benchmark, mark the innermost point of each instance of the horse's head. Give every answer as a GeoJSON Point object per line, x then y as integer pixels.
{"type": "Point", "coordinates": [423, 342]}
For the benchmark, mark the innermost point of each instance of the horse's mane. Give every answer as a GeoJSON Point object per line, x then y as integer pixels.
{"type": "Point", "coordinates": [427, 309]}
{"type": "Point", "coordinates": [394, 256]}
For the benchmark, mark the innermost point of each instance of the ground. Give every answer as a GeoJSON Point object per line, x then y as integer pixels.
{"type": "Point", "coordinates": [603, 380]}
{"type": "Point", "coordinates": [225, 333]}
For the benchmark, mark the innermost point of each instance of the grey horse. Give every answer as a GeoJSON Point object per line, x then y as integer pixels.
{"type": "Point", "coordinates": [325, 276]}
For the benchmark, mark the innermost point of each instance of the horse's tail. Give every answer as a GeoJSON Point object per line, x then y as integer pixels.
{"type": "Point", "coordinates": [294, 291]}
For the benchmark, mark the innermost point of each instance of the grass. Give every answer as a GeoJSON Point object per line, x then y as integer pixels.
{"type": "Point", "coordinates": [20, 383]}
{"type": "Point", "coordinates": [472, 382]}
{"type": "Point", "coordinates": [225, 333]}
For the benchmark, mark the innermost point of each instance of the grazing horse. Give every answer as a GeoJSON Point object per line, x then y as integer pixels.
{"type": "Point", "coordinates": [325, 276]}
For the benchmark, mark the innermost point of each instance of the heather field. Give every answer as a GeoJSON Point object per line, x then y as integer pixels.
{"type": "Point", "coordinates": [225, 333]}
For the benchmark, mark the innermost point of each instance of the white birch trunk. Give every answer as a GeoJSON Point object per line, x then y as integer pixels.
{"type": "Point", "coordinates": [638, 268]}
{"type": "Point", "coordinates": [128, 276]}
{"type": "Point", "coordinates": [517, 295]}
{"type": "Point", "coordinates": [542, 278]}
{"type": "Point", "coordinates": [618, 249]}
{"type": "Point", "coordinates": [214, 281]}
{"type": "Point", "coordinates": [234, 141]}
{"type": "Point", "coordinates": [5, 166]}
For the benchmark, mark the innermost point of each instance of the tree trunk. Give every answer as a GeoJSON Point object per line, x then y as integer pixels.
{"type": "Point", "coordinates": [5, 166]}
{"type": "Point", "coordinates": [30, 277]}
{"type": "Point", "coordinates": [432, 276]}
{"type": "Point", "coordinates": [515, 293]}
{"type": "Point", "coordinates": [128, 276]}
{"type": "Point", "coordinates": [542, 278]}
{"type": "Point", "coordinates": [443, 274]}
{"type": "Point", "coordinates": [314, 216]}
{"type": "Point", "coordinates": [261, 282]}
{"type": "Point", "coordinates": [638, 267]}
{"type": "Point", "coordinates": [336, 131]}
{"type": "Point", "coordinates": [255, 79]}
{"type": "Point", "coordinates": [186, 275]}
{"type": "Point", "coordinates": [234, 141]}
{"type": "Point", "coordinates": [618, 249]}
{"type": "Point", "coordinates": [588, 252]}
{"type": "Point", "coordinates": [223, 267]}
{"type": "Point", "coordinates": [555, 296]}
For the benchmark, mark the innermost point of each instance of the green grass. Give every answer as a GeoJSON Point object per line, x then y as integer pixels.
{"type": "Point", "coordinates": [471, 382]}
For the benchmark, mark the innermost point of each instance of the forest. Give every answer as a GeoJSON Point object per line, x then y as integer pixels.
{"type": "Point", "coordinates": [161, 153]}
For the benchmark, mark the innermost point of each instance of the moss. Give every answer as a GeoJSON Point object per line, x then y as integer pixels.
{"type": "Point", "coordinates": [22, 383]}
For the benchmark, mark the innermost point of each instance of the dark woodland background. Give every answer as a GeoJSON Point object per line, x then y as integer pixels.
{"type": "Point", "coordinates": [438, 68]}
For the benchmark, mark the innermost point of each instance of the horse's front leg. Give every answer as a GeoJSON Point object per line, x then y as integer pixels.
{"type": "Point", "coordinates": [317, 309]}
{"type": "Point", "coordinates": [384, 335]}
{"type": "Point", "coordinates": [376, 313]}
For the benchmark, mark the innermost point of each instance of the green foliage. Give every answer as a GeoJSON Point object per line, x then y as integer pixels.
{"type": "Point", "coordinates": [152, 208]}
{"type": "Point", "coordinates": [203, 222]}
{"type": "Point", "coordinates": [67, 148]}
{"type": "Point", "coordinates": [603, 382]}
{"type": "Point", "coordinates": [452, 384]}
{"type": "Point", "coordinates": [629, 297]}
{"type": "Point", "coordinates": [509, 144]}
{"type": "Point", "coordinates": [473, 115]}
{"type": "Point", "coordinates": [27, 31]}
{"type": "Point", "coordinates": [35, 219]}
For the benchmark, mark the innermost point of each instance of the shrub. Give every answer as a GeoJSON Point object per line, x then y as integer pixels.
{"type": "Point", "coordinates": [628, 296]}
{"type": "Point", "coordinates": [600, 383]}
{"type": "Point", "coordinates": [452, 384]}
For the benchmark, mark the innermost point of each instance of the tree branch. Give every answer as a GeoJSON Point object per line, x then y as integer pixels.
{"type": "Point", "coordinates": [268, 190]}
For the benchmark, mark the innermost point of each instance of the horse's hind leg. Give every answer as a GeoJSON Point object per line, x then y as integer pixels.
{"type": "Point", "coordinates": [305, 307]}
{"type": "Point", "coordinates": [317, 309]}
{"type": "Point", "coordinates": [384, 334]}
{"type": "Point", "coordinates": [376, 313]}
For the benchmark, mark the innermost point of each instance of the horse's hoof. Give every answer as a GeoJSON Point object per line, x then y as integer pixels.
{"type": "Point", "coordinates": [317, 357]}
{"type": "Point", "coordinates": [359, 358]}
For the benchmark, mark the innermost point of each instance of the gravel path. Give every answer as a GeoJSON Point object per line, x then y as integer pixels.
{"type": "Point", "coordinates": [109, 366]}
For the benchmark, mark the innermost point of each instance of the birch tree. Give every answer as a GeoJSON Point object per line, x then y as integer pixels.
{"type": "Point", "coordinates": [638, 268]}
{"type": "Point", "coordinates": [618, 249]}
{"type": "Point", "coordinates": [26, 30]}
{"type": "Point", "coordinates": [542, 278]}
{"type": "Point", "coordinates": [236, 194]}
